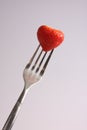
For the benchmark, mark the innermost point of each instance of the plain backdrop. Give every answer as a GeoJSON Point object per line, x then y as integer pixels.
{"type": "Point", "coordinates": [59, 100]}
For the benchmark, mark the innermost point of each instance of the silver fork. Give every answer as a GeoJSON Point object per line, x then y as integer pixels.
{"type": "Point", "coordinates": [32, 73]}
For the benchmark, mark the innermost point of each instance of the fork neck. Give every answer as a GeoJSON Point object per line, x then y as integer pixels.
{"type": "Point", "coordinates": [22, 96]}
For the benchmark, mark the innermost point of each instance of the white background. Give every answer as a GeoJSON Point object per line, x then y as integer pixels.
{"type": "Point", "coordinates": [59, 100]}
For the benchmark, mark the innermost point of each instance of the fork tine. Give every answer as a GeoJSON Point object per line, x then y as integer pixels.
{"type": "Point", "coordinates": [46, 63]}
{"type": "Point", "coordinates": [37, 60]}
{"type": "Point", "coordinates": [41, 62]}
{"type": "Point", "coordinates": [31, 60]}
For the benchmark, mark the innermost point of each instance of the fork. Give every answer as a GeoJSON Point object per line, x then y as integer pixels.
{"type": "Point", "coordinates": [32, 73]}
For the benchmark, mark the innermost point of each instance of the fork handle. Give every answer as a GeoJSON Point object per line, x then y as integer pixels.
{"type": "Point", "coordinates": [10, 120]}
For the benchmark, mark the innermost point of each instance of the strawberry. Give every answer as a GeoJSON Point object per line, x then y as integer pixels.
{"type": "Point", "coordinates": [49, 38]}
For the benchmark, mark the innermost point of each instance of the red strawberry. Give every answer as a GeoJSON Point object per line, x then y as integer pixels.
{"type": "Point", "coordinates": [49, 38]}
